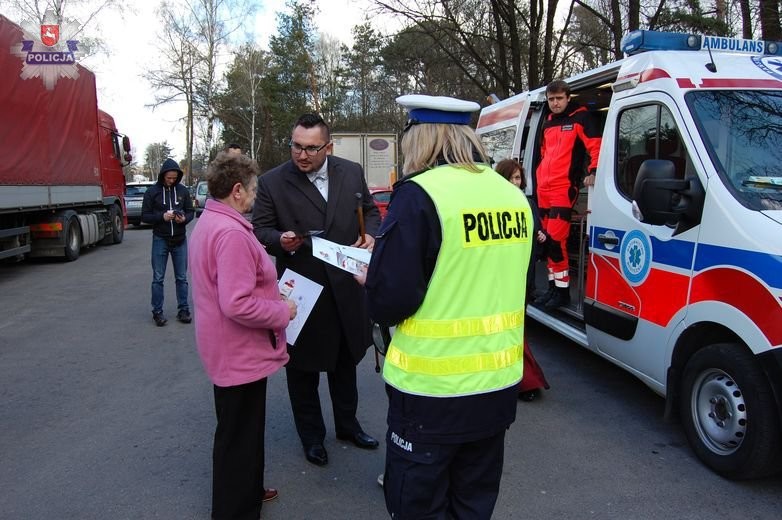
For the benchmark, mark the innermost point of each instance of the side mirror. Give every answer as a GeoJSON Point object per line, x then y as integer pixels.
{"type": "Point", "coordinates": [126, 143]}
{"type": "Point", "coordinates": [659, 198]}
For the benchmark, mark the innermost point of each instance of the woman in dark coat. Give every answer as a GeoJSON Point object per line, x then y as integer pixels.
{"type": "Point", "coordinates": [534, 379]}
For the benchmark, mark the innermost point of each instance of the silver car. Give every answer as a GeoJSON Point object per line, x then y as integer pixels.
{"type": "Point", "coordinates": [201, 194]}
{"type": "Point", "coordinates": [134, 196]}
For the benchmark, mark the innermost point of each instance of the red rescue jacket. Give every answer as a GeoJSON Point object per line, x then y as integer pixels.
{"type": "Point", "coordinates": [567, 138]}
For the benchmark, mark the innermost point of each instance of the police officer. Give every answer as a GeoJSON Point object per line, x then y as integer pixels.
{"type": "Point", "coordinates": [449, 267]}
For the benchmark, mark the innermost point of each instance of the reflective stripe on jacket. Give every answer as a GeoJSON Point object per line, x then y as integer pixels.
{"type": "Point", "coordinates": [466, 337]}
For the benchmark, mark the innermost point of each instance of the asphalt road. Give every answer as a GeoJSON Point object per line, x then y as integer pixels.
{"type": "Point", "coordinates": [103, 415]}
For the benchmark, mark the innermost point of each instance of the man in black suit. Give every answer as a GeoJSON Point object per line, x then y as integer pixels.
{"type": "Point", "coordinates": [316, 191]}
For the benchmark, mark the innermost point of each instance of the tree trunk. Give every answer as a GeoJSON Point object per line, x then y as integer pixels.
{"type": "Point", "coordinates": [634, 15]}
{"type": "Point", "coordinates": [535, 18]}
{"type": "Point", "coordinates": [616, 15]}
{"type": "Point", "coordinates": [769, 19]}
{"type": "Point", "coordinates": [548, 43]}
{"type": "Point", "coordinates": [746, 20]}
{"type": "Point", "coordinates": [502, 53]}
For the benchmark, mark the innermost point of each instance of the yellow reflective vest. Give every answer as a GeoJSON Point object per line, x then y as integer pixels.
{"type": "Point", "coordinates": [467, 336]}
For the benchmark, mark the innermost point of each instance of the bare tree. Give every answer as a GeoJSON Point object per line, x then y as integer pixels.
{"type": "Point", "coordinates": [175, 79]}
{"type": "Point", "coordinates": [191, 43]}
{"type": "Point", "coordinates": [214, 23]}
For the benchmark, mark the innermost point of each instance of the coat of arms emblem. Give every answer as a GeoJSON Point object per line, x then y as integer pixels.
{"type": "Point", "coordinates": [50, 35]}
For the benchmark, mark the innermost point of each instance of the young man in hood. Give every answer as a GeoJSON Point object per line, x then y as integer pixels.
{"type": "Point", "coordinates": [168, 207]}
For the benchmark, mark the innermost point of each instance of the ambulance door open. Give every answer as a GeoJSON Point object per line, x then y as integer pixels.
{"type": "Point", "coordinates": [639, 274]}
{"type": "Point", "coordinates": [501, 127]}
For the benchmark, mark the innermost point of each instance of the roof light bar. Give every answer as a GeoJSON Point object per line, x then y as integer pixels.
{"type": "Point", "coordinates": [641, 41]}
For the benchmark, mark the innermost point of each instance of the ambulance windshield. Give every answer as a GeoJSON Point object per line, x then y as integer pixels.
{"type": "Point", "coordinates": [743, 133]}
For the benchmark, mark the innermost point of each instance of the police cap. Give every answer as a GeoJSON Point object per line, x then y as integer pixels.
{"type": "Point", "coordinates": [437, 109]}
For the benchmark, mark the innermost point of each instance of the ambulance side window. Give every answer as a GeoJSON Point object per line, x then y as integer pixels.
{"type": "Point", "coordinates": [647, 132]}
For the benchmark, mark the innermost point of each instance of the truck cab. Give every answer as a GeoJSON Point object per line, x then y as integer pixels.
{"type": "Point", "coordinates": [675, 255]}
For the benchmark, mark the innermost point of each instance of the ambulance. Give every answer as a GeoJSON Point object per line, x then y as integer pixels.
{"type": "Point", "coordinates": [676, 252]}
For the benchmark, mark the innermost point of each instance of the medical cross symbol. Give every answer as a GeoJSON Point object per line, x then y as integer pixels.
{"type": "Point", "coordinates": [634, 256]}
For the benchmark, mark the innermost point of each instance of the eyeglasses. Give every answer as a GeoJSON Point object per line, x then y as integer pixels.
{"type": "Point", "coordinates": [309, 150]}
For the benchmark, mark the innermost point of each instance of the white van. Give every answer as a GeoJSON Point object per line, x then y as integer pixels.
{"type": "Point", "coordinates": [676, 253]}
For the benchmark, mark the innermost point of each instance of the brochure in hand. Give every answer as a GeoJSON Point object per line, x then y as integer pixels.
{"type": "Point", "coordinates": [304, 292]}
{"type": "Point", "coordinates": [347, 258]}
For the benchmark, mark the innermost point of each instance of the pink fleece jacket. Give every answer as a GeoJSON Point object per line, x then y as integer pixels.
{"type": "Point", "coordinates": [237, 303]}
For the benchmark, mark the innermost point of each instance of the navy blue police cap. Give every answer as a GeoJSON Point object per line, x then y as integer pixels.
{"type": "Point", "coordinates": [437, 109]}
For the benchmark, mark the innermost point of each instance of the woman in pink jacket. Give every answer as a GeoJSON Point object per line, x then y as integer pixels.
{"type": "Point", "coordinates": [240, 321]}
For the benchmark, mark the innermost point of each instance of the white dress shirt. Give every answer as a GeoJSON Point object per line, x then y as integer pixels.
{"type": "Point", "coordinates": [320, 179]}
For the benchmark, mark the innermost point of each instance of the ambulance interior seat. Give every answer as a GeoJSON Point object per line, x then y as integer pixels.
{"type": "Point", "coordinates": [670, 149]}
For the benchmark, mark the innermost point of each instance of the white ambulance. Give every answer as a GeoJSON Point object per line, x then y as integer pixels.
{"type": "Point", "coordinates": [676, 253]}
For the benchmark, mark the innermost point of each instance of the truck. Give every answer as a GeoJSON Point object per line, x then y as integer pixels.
{"type": "Point", "coordinates": [61, 159]}
{"type": "Point", "coordinates": [676, 251]}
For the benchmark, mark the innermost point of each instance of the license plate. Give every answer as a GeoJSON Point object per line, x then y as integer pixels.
{"type": "Point", "coordinates": [134, 204]}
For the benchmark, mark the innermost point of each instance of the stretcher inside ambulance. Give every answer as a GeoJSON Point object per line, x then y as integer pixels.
{"type": "Point", "coordinates": [676, 252]}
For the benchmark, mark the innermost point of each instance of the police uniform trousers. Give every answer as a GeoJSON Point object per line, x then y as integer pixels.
{"type": "Point", "coordinates": [444, 456]}
{"type": "Point", "coordinates": [238, 457]}
{"type": "Point", "coordinates": [443, 481]}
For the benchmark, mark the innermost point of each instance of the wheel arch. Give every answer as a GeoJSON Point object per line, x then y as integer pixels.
{"type": "Point", "coordinates": [701, 335]}
{"type": "Point", "coordinates": [691, 340]}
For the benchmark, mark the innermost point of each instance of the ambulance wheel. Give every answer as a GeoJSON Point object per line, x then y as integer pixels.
{"type": "Point", "coordinates": [728, 412]}
{"type": "Point", "coordinates": [72, 234]}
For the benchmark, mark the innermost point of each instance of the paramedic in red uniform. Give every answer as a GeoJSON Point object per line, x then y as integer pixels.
{"type": "Point", "coordinates": [569, 133]}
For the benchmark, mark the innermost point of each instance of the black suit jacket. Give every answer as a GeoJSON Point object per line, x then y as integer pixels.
{"type": "Point", "coordinates": [288, 201]}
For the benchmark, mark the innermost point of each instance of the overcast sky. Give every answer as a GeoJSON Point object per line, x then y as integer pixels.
{"type": "Point", "coordinates": [124, 93]}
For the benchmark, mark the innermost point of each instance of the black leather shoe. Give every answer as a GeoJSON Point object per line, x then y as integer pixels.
{"type": "Point", "coordinates": [316, 454]}
{"type": "Point", "coordinates": [360, 439]}
{"type": "Point", "coordinates": [529, 395]}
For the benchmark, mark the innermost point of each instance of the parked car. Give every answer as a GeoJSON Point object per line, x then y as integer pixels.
{"type": "Point", "coordinates": [201, 194]}
{"type": "Point", "coordinates": [134, 196]}
{"type": "Point", "coordinates": [381, 197]}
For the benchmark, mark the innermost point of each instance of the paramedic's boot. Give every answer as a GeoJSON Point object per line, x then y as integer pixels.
{"type": "Point", "coordinates": [561, 298]}
{"type": "Point", "coordinates": [546, 296]}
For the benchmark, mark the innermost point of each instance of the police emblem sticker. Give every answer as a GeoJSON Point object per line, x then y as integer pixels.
{"type": "Point", "coordinates": [635, 257]}
{"type": "Point", "coordinates": [49, 50]}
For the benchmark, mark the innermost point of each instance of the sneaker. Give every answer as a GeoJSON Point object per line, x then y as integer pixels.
{"type": "Point", "coordinates": [159, 319]}
{"type": "Point", "coordinates": [184, 316]}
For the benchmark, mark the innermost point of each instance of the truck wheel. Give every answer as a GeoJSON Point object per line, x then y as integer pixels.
{"type": "Point", "coordinates": [117, 228]}
{"type": "Point", "coordinates": [72, 234]}
{"type": "Point", "coordinates": [728, 412]}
